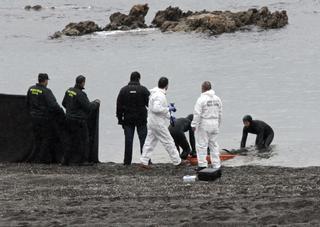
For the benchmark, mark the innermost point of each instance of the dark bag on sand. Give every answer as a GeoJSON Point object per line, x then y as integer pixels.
{"type": "Point", "coordinates": [209, 174]}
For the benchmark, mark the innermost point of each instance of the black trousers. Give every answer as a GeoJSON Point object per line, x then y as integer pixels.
{"type": "Point", "coordinates": [44, 140]}
{"type": "Point", "coordinates": [129, 135]}
{"type": "Point", "coordinates": [78, 150]}
{"type": "Point", "coordinates": [180, 140]}
{"type": "Point", "coordinates": [264, 140]}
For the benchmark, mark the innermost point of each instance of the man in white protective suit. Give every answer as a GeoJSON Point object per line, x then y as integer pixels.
{"type": "Point", "coordinates": [206, 123]}
{"type": "Point", "coordinates": [158, 116]}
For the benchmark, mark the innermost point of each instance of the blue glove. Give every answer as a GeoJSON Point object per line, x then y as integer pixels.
{"type": "Point", "coordinates": [172, 121]}
{"type": "Point", "coordinates": [172, 108]}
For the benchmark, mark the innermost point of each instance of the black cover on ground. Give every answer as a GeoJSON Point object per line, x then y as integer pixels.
{"type": "Point", "coordinates": [16, 137]}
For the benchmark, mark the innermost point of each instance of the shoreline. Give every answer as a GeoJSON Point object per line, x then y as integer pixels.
{"type": "Point", "coordinates": [116, 195]}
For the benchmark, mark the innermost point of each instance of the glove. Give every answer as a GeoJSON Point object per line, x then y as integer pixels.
{"type": "Point", "coordinates": [172, 121]}
{"type": "Point", "coordinates": [172, 108]}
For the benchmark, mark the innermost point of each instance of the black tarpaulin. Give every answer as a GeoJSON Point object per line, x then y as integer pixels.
{"type": "Point", "coordinates": [16, 137]}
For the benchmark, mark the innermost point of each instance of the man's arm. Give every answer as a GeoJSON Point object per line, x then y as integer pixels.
{"type": "Point", "coordinates": [157, 106]}
{"type": "Point", "coordinates": [244, 138]}
{"type": "Point", "coordinates": [192, 140]}
{"type": "Point", "coordinates": [120, 108]}
{"type": "Point", "coordinates": [197, 113]}
{"type": "Point", "coordinates": [85, 103]}
{"type": "Point", "coordinates": [220, 112]}
{"type": "Point", "coordinates": [53, 106]}
{"type": "Point", "coordinates": [146, 96]}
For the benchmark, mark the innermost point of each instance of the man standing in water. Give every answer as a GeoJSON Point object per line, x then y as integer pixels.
{"type": "Point", "coordinates": [132, 103]}
{"type": "Point", "coordinates": [263, 131]}
{"type": "Point", "coordinates": [206, 123]}
{"type": "Point", "coordinates": [158, 116]}
{"type": "Point", "coordinates": [78, 107]}
{"type": "Point", "coordinates": [43, 108]}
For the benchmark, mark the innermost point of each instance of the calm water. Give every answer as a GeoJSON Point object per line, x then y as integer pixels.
{"type": "Point", "coordinates": [273, 75]}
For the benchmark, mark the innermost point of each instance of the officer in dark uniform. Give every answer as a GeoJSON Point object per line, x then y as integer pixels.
{"type": "Point", "coordinates": [263, 131]}
{"type": "Point", "coordinates": [177, 131]}
{"type": "Point", "coordinates": [132, 113]}
{"type": "Point", "coordinates": [78, 108]}
{"type": "Point", "coordinates": [43, 108]}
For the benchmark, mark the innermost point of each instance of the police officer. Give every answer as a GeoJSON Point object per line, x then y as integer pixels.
{"type": "Point", "coordinates": [78, 108]}
{"type": "Point", "coordinates": [263, 131]}
{"type": "Point", "coordinates": [43, 108]}
{"type": "Point", "coordinates": [132, 113]}
{"type": "Point", "coordinates": [177, 131]}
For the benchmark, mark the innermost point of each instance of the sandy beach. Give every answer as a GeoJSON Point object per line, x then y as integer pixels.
{"type": "Point", "coordinates": [114, 195]}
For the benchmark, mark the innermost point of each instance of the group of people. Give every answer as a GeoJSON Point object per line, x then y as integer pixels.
{"type": "Point", "coordinates": [45, 111]}
{"type": "Point", "coordinates": [149, 112]}
{"type": "Point", "coordinates": [137, 108]}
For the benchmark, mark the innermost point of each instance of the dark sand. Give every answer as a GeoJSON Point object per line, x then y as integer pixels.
{"type": "Point", "coordinates": [114, 195]}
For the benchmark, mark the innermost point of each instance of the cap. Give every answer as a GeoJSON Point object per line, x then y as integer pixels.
{"type": "Point", "coordinates": [43, 76]}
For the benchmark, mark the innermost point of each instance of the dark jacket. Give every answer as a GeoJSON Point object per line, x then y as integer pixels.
{"type": "Point", "coordinates": [260, 128]}
{"type": "Point", "coordinates": [41, 102]}
{"type": "Point", "coordinates": [77, 104]}
{"type": "Point", "coordinates": [181, 126]}
{"type": "Point", "coordinates": [132, 104]}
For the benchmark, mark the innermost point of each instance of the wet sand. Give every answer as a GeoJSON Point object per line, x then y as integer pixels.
{"type": "Point", "coordinates": [114, 195]}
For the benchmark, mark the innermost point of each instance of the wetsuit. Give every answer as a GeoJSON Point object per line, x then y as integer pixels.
{"type": "Point", "coordinates": [44, 109]}
{"type": "Point", "coordinates": [263, 131]}
{"type": "Point", "coordinates": [177, 131]}
{"type": "Point", "coordinates": [78, 107]}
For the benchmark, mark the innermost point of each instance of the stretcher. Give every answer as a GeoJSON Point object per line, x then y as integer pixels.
{"type": "Point", "coordinates": [223, 157]}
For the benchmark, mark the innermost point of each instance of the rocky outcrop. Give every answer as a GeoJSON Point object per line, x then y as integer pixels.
{"type": "Point", "coordinates": [217, 22]}
{"type": "Point", "coordinates": [36, 7]}
{"type": "Point", "coordinates": [135, 19]}
{"type": "Point", "coordinates": [78, 29]}
{"type": "Point", "coordinates": [174, 19]}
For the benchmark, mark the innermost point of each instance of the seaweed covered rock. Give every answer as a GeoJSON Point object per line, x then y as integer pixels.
{"type": "Point", "coordinates": [217, 22]}
{"type": "Point", "coordinates": [78, 29]}
{"type": "Point", "coordinates": [135, 19]}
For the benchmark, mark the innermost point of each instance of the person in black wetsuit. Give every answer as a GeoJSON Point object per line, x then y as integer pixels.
{"type": "Point", "coordinates": [263, 131]}
{"type": "Point", "coordinates": [177, 131]}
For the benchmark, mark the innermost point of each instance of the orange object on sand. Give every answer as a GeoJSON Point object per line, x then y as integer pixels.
{"type": "Point", "coordinates": [223, 157]}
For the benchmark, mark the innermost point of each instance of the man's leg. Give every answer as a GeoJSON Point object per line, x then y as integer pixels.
{"type": "Point", "coordinates": [150, 143]}
{"type": "Point", "coordinates": [202, 141]}
{"type": "Point", "coordinates": [166, 140]}
{"type": "Point", "coordinates": [128, 134]}
{"type": "Point", "coordinates": [183, 143]}
{"type": "Point", "coordinates": [142, 133]}
{"type": "Point", "coordinates": [37, 141]}
{"type": "Point", "coordinates": [47, 146]}
{"type": "Point", "coordinates": [214, 151]}
{"type": "Point", "coordinates": [85, 142]}
{"type": "Point", "coordinates": [269, 140]}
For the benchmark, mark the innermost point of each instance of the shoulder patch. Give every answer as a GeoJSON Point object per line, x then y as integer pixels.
{"type": "Point", "coordinates": [71, 93]}
{"type": "Point", "coordinates": [35, 91]}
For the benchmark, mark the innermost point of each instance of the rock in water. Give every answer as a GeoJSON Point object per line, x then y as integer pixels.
{"type": "Point", "coordinates": [36, 7]}
{"type": "Point", "coordinates": [135, 19]}
{"type": "Point", "coordinates": [217, 22]}
{"type": "Point", "coordinates": [77, 29]}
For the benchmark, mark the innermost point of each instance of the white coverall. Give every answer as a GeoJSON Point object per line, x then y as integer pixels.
{"type": "Point", "coordinates": [158, 115]}
{"type": "Point", "coordinates": [207, 120]}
